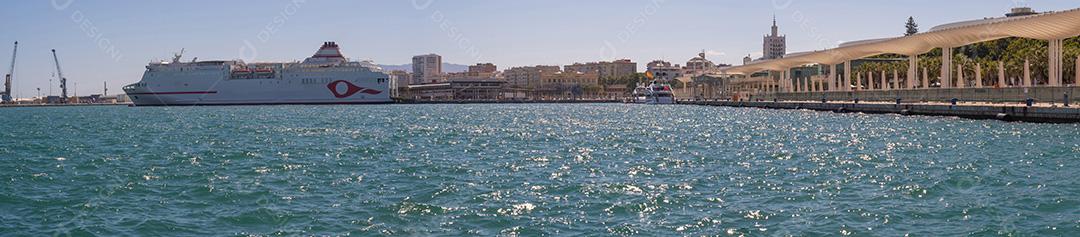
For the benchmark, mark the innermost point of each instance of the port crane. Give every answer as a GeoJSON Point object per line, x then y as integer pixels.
{"type": "Point", "coordinates": [11, 74]}
{"type": "Point", "coordinates": [63, 80]}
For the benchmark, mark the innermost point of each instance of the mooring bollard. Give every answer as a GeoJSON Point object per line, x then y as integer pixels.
{"type": "Point", "coordinates": [823, 100]}
{"type": "Point", "coordinates": [953, 101]}
{"type": "Point", "coordinates": [1030, 102]}
{"type": "Point", "coordinates": [856, 100]}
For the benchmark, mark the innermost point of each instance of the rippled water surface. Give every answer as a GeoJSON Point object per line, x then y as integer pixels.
{"type": "Point", "coordinates": [584, 169]}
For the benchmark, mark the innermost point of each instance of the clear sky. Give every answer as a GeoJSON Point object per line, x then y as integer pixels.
{"type": "Point", "coordinates": [111, 41]}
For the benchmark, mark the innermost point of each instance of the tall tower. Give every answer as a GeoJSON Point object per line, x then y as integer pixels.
{"type": "Point", "coordinates": [426, 68]}
{"type": "Point", "coordinates": [774, 46]}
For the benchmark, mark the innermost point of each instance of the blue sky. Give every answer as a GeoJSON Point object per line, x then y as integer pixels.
{"type": "Point", "coordinates": [111, 41]}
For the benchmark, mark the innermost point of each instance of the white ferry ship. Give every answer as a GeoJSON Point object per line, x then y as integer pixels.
{"type": "Point", "coordinates": [325, 78]}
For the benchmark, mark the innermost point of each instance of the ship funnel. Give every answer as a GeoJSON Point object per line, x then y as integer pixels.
{"type": "Point", "coordinates": [328, 53]}
{"type": "Point", "coordinates": [329, 50]}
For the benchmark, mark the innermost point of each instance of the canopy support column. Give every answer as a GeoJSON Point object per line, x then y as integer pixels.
{"type": "Point", "coordinates": [806, 87]}
{"type": "Point", "coordinates": [925, 78]}
{"type": "Point", "coordinates": [858, 81]}
{"type": "Point", "coordinates": [847, 76]}
{"type": "Point", "coordinates": [978, 75]}
{"type": "Point", "coordinates": [869, 81]}
{"type": "Point", "coordinates": [912, 71]}
{"type": "Point", "coordinates": [794, 82]}
{"type": "Point", "coordinates": [884, 81]}
{"type": "Point", "coordinates": [960, 80]}
{"type": "Point", "coordinates": [1027, 73]}
{"type": "Point", "coordinates": [1055, 62]}
{"type": "Point", "coordinates": [1001, 75]}
{"type": "Point", "coordinates": [946, 67]}
{"type": "Point", "coordinates": [832, 78]}
{"type": "Point", "coordinates": [895, 80]}
{"type": "Point", "coordinates": [790, 86]}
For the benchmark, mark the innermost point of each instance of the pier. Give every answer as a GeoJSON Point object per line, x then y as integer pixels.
{"type": "Point", "coordinates": [1040, 113]}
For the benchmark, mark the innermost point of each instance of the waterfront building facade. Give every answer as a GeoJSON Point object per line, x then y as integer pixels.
{"type": "Point", "coordinates": [550, 82]}
{"type": "Point", "coordinates": [478, 72]}
{"type": "Point", "coordinates": [472, 76]}
{"type": "Point", "coordinates": [426, 68]}
{"type": "Point", "coordinates": [699, 65]}
{"type": "Point", "coordinates": [483, 68]}
{"type": "Point", "coordinates": [528, 77]}
{"type": "Point", "coordinates": [664, 71]}
{"type": "Point", "coordinates": [460, 90]}
{"type": "Point", "coordinates": [399, 80]}
{"type": "Point", "coordinates": [605, 70]}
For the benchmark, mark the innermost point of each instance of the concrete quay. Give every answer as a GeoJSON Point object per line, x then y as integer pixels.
{"type": "Point", "coordinates": [59, 105]}
{"type": "Point", "coordinates": [1038, 113]}
{"type": "Point", "coordinates": [581, 101]}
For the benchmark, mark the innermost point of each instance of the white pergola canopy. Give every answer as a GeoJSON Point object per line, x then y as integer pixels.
{"type": "Point", "coordinates": [1045, 26]}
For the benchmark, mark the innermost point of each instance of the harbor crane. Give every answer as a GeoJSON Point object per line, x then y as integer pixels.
{"type": "Point", "coordinates": [11, 74]}
{"type": "Point", "coordinates": [63, 80]}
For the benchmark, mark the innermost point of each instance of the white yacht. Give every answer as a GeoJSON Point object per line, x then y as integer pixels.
{"type": "Point", "coordinates": [655, 92]}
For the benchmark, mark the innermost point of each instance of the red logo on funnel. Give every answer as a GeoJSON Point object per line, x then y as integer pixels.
{"type": "Point", "coordinates": [350, 89]}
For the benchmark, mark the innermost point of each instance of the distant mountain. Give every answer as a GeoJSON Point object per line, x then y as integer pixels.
{"type": "Point", "coordinates": [446, 67]}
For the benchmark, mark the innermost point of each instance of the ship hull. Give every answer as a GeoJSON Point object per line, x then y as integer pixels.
{"type": "Point", "coordinates": [265, 92]}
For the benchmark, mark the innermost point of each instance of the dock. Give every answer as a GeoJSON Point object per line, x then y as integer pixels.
{"type": "Point", "coordinates": [59, 105]}
{"type": "Point", "coordinates": [1006, 112]}
{"type": "Point", "coordinates": [578, 101]}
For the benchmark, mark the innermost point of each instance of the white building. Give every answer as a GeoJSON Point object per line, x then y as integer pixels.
{"type": "Point", "coordinates": [426, 68]}
{"type": "Point", "coordinates": [699, 65]}
{"type": "Point", "coordinates": [664, 71]}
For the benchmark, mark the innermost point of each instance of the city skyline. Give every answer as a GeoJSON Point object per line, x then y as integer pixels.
{"type": "Point", "coordinates": [98, 43]}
